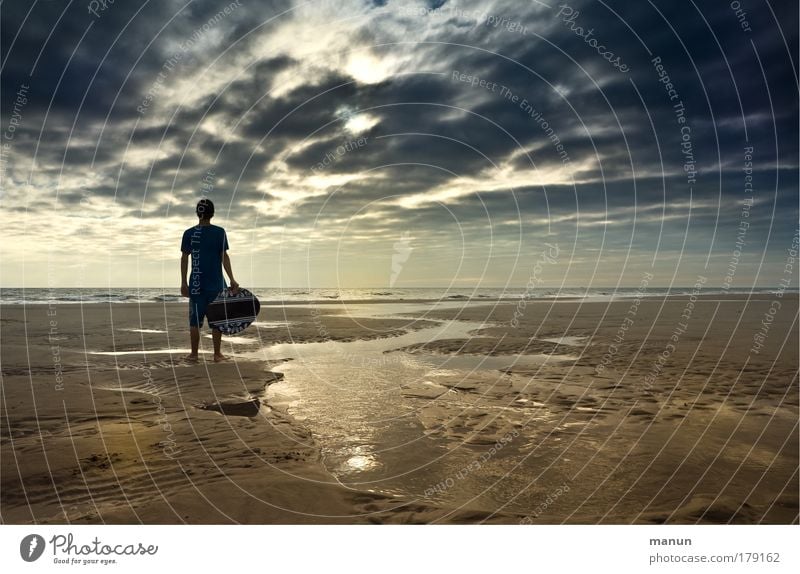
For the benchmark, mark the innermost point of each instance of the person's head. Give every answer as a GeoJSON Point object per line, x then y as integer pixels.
{"type": "Point", "coordinates": [205, 209]}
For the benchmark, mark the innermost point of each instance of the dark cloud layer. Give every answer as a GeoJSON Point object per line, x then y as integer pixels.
{"type": "Point", "coordinates": [267, 90]}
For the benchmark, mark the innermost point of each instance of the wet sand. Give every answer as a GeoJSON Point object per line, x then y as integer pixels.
{"type": "Point", "coordinates": [675, 418]}
{"type": "Point", "coordinates": [93, 437]}
{"type": "Point", "coordinates": [96, 431]}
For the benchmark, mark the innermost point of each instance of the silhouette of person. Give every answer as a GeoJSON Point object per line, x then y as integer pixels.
{"type": "Point", "coordinates": [207, 246]}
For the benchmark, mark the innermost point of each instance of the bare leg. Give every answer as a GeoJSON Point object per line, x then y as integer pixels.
{"type": "Point", "coordinates": [216, 336]}
{"type": "Point", "coordinates": [194, 333]}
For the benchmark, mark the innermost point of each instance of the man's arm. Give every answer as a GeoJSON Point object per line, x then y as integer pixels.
{"type": "Point", "coordinates": [226, 264]}
{"type": "Point", "coordinates": [184, 269]}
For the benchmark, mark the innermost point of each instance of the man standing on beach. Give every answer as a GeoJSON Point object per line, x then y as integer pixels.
{"type": "Point", "coordinates": [208, 246]}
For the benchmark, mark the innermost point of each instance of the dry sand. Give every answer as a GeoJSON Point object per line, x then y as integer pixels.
{"type": "Point", "coordinates": [130, 438]}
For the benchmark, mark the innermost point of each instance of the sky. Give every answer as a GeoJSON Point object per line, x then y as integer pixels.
{"type": "Point", "coordinates": [401, 144]}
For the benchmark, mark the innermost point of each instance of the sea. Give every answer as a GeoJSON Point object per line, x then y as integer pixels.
{"type": "Point", "coordinates": [133, 295]}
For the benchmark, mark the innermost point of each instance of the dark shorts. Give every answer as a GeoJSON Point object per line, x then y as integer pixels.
{"type": "Point", "coordinates": [197, 307]}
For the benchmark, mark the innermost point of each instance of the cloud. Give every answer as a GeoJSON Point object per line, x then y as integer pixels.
{"type": "Point", "coordinates": [483, 123]}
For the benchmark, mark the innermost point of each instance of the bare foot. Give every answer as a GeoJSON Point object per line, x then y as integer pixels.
{"type": "Point", "coordinates": [218, 358]}
{"type": "Point", "coordinates": [191, 357]}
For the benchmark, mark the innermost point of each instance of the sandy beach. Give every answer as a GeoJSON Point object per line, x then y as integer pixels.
{"type": "Point", "coordinates": [659, 410]}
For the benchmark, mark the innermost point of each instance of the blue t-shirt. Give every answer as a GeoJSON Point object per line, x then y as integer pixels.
{"type": "Point", "coordinates": [206, 243]}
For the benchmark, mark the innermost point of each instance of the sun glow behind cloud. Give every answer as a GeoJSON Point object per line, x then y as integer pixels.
{"type": "Point", "coordinates": [360, 123]}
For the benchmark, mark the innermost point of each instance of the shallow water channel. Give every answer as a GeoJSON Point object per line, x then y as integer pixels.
{"type": "Point", "coordinates": [378, 415]}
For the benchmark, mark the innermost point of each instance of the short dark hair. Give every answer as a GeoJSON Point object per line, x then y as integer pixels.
{"type": "Point", "coordinates": [205, 209]}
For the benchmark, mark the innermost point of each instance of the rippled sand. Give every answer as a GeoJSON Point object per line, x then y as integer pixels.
{"type": "Point", "coordinates": [470, 419]}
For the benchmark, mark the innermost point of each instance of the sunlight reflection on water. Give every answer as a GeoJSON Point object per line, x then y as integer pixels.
{"type": "Point", "coordinates": [378, 413]}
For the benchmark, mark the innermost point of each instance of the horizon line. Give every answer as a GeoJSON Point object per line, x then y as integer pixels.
{"type": "Point", "coordinates": [783, 287]}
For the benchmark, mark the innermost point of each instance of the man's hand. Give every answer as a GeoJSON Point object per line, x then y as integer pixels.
{"type": "Point", "coordinates": [226, 265]}
{"type": "Point", "coordinates": [184, 289]}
